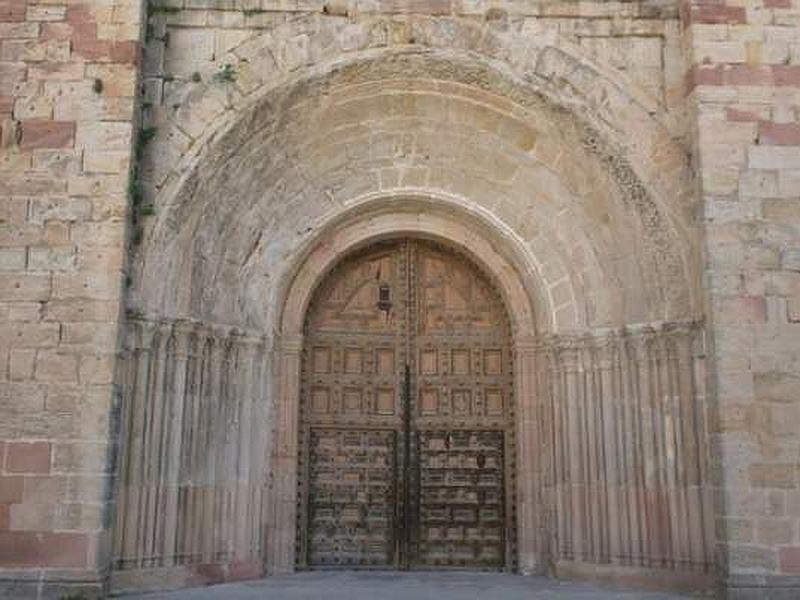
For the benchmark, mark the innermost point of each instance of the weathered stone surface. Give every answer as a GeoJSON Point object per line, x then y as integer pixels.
{"type": "Point", "coordinates": [559, 136]}
{"type": "Point", "coordinates": [52, 113]}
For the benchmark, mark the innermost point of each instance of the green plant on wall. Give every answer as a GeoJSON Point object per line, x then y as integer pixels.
{"type": "Point", "coordinates": [226, 74]}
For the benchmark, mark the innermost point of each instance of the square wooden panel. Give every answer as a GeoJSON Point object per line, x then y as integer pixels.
{"type": "Point", "coordinates": [384, 361]}
{"type": "Point", "coordinates": [462, 402]}
{"type": "Point", "coordinates": [321, 360]}
{"type": "Point", "coordinates": [460, 362]}
{"type": "Point", "coordinates": [494, 402]}
{"type": "Point", "coordinates": [351, 400]}
{"type": "Point", "coordinates": [428, 361]}
{"type": "Point", "coordinates": [429, 401]}
{"type": "Point", "coordinates": [493, 362]}
{"type": "Point", "coordinates": [353, 360]}
{"type": "Point", "coordinates": [320, 400]}
{"type": "Point", "coordinates": [384, 401]}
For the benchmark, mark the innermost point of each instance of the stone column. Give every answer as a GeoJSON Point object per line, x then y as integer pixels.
{"type": "Point", "coordinates": [281, 520]}
{"type": "Point", "coordinates": [530, 457]}
{"type": "Point", "coordinates": [177, 393]}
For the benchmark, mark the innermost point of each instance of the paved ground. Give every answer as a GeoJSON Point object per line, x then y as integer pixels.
{"type": "Point", "coordinates": [340, 585]}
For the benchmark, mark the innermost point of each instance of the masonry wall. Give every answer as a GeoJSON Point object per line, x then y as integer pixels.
{"type": "Point", "coordinates": [67, 75]}
{"type": "Point", "coordinates": [721, 79]}
{"type": "Point", "coordinates": [263, 133]}
{"type": "Point", "coordinates": [745, 92]}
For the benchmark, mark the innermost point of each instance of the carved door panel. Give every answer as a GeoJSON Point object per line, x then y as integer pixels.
{"type": "Point", "coordinates": [351, 521]}
{"type": "Point", "coordinates": [406, 415]}
{"type": "Point", "coordinates": [461, 499]}
{"type": "Point", "coordinates": [350, 413]}
{"type": "Point", "coordinates": [464, 415]}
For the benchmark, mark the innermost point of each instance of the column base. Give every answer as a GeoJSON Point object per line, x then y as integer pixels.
{"type": "Point", "coordinates": [160, 579]}
{"type": "Point", "coordinates": [36, 584]}
{"type": "Point", "coordinates": [642, 578]}
{"type": "Point", "coordinates": [761, 587]}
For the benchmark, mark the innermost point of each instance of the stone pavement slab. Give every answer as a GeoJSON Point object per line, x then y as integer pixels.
{"type": "Point", "coordinates": [382, 585]}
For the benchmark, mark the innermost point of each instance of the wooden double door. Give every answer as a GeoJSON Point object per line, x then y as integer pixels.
{"type": "Point", "coordinates": [406, 425]}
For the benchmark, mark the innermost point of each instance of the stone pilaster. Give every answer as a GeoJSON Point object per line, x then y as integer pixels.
{"type": "Point", "coordinates": [745, 97]}
{"type": "Point", "coordinates": [67, 79]}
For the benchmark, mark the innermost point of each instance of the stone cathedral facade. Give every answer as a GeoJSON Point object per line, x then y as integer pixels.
{"type": "Point", "coordinates": [486, 284]}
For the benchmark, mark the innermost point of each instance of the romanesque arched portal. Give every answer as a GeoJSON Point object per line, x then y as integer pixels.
{"type": "Point", "coordinates": [587, 239]}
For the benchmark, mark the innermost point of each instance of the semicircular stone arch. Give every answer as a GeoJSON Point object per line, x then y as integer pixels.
{"type": "Point", "coordinates": [412, 121]}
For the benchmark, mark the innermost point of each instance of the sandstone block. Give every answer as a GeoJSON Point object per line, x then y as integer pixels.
{"type": "Point", "coordinates": [79, 516]}
{"type": "Point", "coordinates": [106, 161]}
{"type": "Point", "coordinates": [28, 457]}
{"type": "Point", "coordinates": [21, 364]}
{"type": "Point", "coordinates": [81, 309]}
{"type": "Point", "coordinates": [789, 559]}
{"type": "Point", "coordinates": [56, 367]}
{"type": "Point", "coordinates": [34, 50]}
{"type": "Point", "coordinates": [80, 457]}
{"type": "Point", "coordinates": [13, 10]}
{"type": "Point", "coordinates": [91, 234]}
{"type": "Point", "coordinates": [790, 259]}
{"type": "Point", "coordinates": [786, 75]}
{"type": "Point", "coordinates": [46, 13]}
{"type": "Point", "coordinates": [38, 107]}
{"type": "Point", "coordinates": [59, 209]}
{"type": "Point", "coordinates": [58, 162]}
{"type": "Point", "coordinates": [31, 185]}
{"type": "Point", "coordinates": [52, 258]}
{"type": "Point", "coordinates": [720, 52]}
{"type": "Point", "coordinates": [718, 14]}
{"type": "Point", "coordinates": [793, 503]}
{"type": "Point", "coordinates": [55, 550]}
{"type": "Point", "coordinates": [12, 259]}
{"type": "Point", "coordinates": [789, 183]}
{"type": "Point", "coordinates": [774, 157]}
{"type": "Point", "coordinates": [768, 475]}
{"type": "Point", "coordinates": [781, 211]}
{"type": "Point", "coordinates": [117, 81]}
{"type": "Point", "coordinates": [23, 311]}
{"type": "Point", "coordinates": [779, 134]}
{"type": "Point", "coordinates": [103, 135]}
{"type": "Point", "coordinates": [100, 108]}
{"type": "Point", "coordinates": [772, 532]}
{"type": "Point", "coordinates": [776, 386]}
{"type": "Point", "coordinates": [29, 335]}
{"type": "Point", "coordinates": [50, 72]}
{"type": "Point", "coordinates": [25, 287]}
{"type": "Point", "coordinates": [47, 134]}
{"type": "Point", "coordinates": [23, 398]}
{"type": "Point", "coordinates": [97, 369]}
{"type": "Point", "coordinates": [743, 309]}
{"type": "Point", "coordinates": [736, 530]}
{"type": "Point", "coordinates": [94, 285]}
{"type": "Point", "coordinates": [13, 211]}
{"type": "Point", "coordinates": [751, 557]}
{"type": "Point", "coordinates": [13, 162]}
{"type": "Point", "coordinates": [84, 184]}
{"type": "Point", "coordinates": [32, 516]}
{"type": "Point", "coordinates": [784, 420]}
{"type": "Point", "coordinates": [11, 488]}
